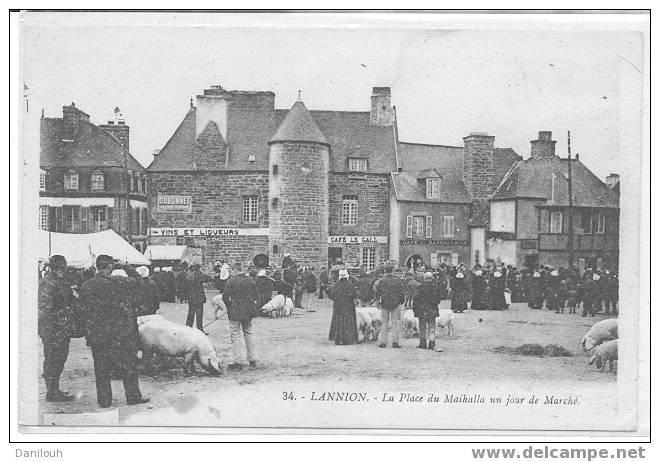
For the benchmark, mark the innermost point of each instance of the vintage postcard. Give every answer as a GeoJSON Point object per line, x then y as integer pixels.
{"type": "Point", "coordinates": [418, 223]}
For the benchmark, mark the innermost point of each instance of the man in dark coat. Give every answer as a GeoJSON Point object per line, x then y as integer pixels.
{"type": "Point", "coordinates": [196, 296]}
{"type": "Point", "coordinates": [324, 280]}
{"type": "Point", "coordinates": [425, 307]}
{"type": "Point", "coordinates": [591, 295]}
{"type": "Point", "coordinates": [390, 294]}
{"type": "Point", "coordinates": [112, 332]}
{"type": "Point", "coordinates": [55, 325]}
{"type": "Point", "coordinates": [180, 279]}
{"type": "Point", "coordinates": [290, 275]}
{"type": "Point", "coordinates": [240, 297]}
{"type": "Point", "coordinates": [149, 302]}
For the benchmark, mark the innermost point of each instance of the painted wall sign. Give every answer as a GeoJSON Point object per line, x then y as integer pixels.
{"type": "Point", "coordinates": [168, 203]}
{"type": "Point", "coordinates": [208, 232]}
{"type": "Point", "coordinates": [528, 244]}
{"type": "Point", "coordinates": [443, 242]}
{"type": "Point", "coordinates": [357, 239]}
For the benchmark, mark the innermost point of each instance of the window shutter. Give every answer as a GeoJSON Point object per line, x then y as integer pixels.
{"type": "Point", "coordinates": [109, 218]}
{"type": "Point", "coordinates": [429, 226]}
{"type": "Point", "coordinates": [454, 259]}
{"type": "Point", "coordinates": [84, 211]}
{"type": "Point", "coordinates": [409, 226]}
{"type": "Point", "coordinates": [429, 191]}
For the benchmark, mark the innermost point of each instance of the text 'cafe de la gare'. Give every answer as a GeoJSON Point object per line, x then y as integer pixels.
{"type": "Point", "coordinates": [239, 178]}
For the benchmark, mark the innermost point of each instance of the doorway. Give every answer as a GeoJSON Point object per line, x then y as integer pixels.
{"type": "Point", "coordinates": [334, 253]}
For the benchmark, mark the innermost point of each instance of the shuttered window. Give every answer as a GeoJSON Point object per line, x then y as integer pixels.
{"type": "Point", "coordinates": [556, 219]}
{"type": "Point", "coordinates": [429, 227]}
{"type": "Point", "coordinates": [71, 219]}
{"type": "Point", "coordinates": [409, 226]}
{"type": "Point", "coordinates": [71, 181]}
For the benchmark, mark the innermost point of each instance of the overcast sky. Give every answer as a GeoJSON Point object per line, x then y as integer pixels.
{"type": "Point", "coordinates": [445, 83]}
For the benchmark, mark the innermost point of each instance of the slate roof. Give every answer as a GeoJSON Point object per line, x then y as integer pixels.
{"type": "Point", "coordinates": [249, 131]}
{"type": "Point", "coordinates": [418, 159]}
{"type": "Point", "coordinates": [532, 178]}
{"type": "Point", "coordinates": [94, 147]}
{"type": "Point", "coordinates": [298, 125]}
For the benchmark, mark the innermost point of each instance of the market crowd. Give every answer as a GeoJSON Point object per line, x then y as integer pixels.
{"type": "Point", "coordinates": [103, 303]}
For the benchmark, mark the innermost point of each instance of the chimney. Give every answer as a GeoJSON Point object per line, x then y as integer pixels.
{"type": "Point", "coordinates": [544, 146]}
{"type": "Point", "coordinates": [612, 180]}
{"type": "Point", "coordinates": [381, 107]}
{"type": "Point", "coordinates": [117, 127]}
{"type": "Point", "coordinates": [212, 106]}
{"type": "Point", "coordinates": [71, 117]}
{"type": "Point", "coordinates": [478, 165]}
{"type": "Point", "coordinates": [156, 152]}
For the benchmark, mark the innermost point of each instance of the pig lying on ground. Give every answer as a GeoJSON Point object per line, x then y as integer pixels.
{"type": "Point", "coordinates": [170, 339]}
{"type": "Point", "coordinates": [604, 330]}
{"type": "Point", "coordinates": [607, 351]}
{"type": "Point", "coordinates": [275, 307]}
{"type": "Point", "coordinates": [446, 318]}
{"type": "Point", "coordinates": [219, 307]}
{"type": "Point", "coordinates": [149, 318]}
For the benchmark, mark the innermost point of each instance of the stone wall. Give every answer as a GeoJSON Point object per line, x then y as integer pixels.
{"type": "Point", "coordinates": [299, 201]}
{"type": "Point", "coordinates": [478, 167]}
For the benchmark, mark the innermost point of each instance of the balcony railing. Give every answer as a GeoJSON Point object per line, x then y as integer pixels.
{"type": "Point", "coordinates": [605, 242]}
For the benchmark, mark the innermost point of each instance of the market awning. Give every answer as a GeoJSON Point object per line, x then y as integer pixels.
{"type": "Point", "coordinates": [165, 252]}
{"type": "Point", "coordinates": [81, 250]}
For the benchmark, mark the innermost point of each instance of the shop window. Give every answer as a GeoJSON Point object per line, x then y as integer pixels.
{"type": "Point", "coordinates": [71, 219]}
{"type": "Point", "coordinates": [349, 209]}
{"type": "Point", "coordinates": [369, 258]}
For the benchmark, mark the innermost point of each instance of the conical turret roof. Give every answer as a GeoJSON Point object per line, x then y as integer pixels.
{"type": "Point", "coordinates": [298, 125]}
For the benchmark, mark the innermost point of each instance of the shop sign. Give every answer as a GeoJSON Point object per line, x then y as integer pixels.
{"type": "Point", "coordinates": [442, 242]}
{"type": "Point", "coordinates": [169, 203]}
{"type": "Point", "coordinates": [528, 244]}
{"type": "Point", "coordinates": [209, 232]}
{"type": "Point", "coordinates": [357, 239]}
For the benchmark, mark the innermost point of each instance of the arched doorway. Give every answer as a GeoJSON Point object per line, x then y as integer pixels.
{"type": "Point", "coordinates": [411, 262]}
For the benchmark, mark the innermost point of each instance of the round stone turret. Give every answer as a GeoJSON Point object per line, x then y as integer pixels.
{"type": "Point", "coordinates": [298, 192]}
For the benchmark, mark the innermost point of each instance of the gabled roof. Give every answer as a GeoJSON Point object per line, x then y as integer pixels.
{"type": "Point", "coordinates": [429, 173]}
{"type": "Point", "coordinates": [298, 125]}
{"type": "Point", "coordinates": [532, 178]}
{"type": "Point", "coordinates": [93, 147]}
{"type": "Point", "coordinates": [349, 134]}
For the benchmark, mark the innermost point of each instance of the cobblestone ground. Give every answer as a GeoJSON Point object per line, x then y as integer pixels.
{"type": "Point", "coordinates": [294, 355]}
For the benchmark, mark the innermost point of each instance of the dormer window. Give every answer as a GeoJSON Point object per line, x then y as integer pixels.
{"type": "Point", "coordinates": [433, 188]}
{"type": "Point", "coordinates": [98, 180]}
{"type": "Point", "coordinates": [71, 181]}
{"type": "Point", "coordinates": [357, 164]}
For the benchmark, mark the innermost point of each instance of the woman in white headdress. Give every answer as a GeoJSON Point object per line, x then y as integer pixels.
{"type": "Point", "coordinates": [343, 328]}
{"type": "Point", "coordinates": [479, 287]}
{"type": "Point", "coordinates": [459, 293]}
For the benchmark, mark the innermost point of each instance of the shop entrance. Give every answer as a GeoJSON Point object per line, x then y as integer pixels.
{"type": "Point", "coordinates": [334, 253]}
{"type": "Point", "coordinates": [532, 261]}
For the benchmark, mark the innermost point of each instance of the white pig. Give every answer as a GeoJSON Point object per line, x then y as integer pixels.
{"type": "Point", "coordinates": [607, 351]}
{"type": "Point", "coordinates": [410, 323]}
{"type": "Point", "coordinates": [171, 339]}
{"type": "Point", "coordinates": [376, 322]}
{"type": "Point", "coordinates": [607, 329]}
{"type": "Point", "coordinates": [446, 318]}
{"type": "Point", "coordinates": [219, 307]}
{"type": "Point", "coordinates": [149, 318]}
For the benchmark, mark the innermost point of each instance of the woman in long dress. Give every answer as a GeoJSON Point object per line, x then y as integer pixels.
{"type": "Point", "coordinates": [479, 287]}
{"type": "Point", "coordinates": [343, 329]}
{"type": "Point", "coordinates": [459, 293]}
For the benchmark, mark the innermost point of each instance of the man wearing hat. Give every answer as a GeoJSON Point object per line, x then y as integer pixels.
{"type": "Point", "coordinates": [196, 295]}
{"type": "Point", "coordinates": [391, 294]}
{"type": "Point", "coordinates": [112, 332]}
{"type": "Point", "coordinates": [240, 297]}
{"type": "Point", "coordinates": [55, 325]}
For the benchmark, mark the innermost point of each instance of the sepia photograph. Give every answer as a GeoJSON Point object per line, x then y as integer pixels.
{"type": "Point", "coordinates": [333, 222]}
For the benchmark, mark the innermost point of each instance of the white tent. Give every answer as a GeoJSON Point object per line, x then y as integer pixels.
{"type": "Point", "coordinates": [81, 250]}
{"type": "Point", "coordinates": [165, 252]}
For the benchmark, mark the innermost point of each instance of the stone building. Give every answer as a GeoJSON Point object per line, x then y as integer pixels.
{"type": "Point", "coordinates": [529, 213]}
{"type": "Point", "coordinates": [239, 178]}
{"type": "Point", "coordinates": [437, 193]}
{"type": "Point", "coordinates": [89, 181]}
